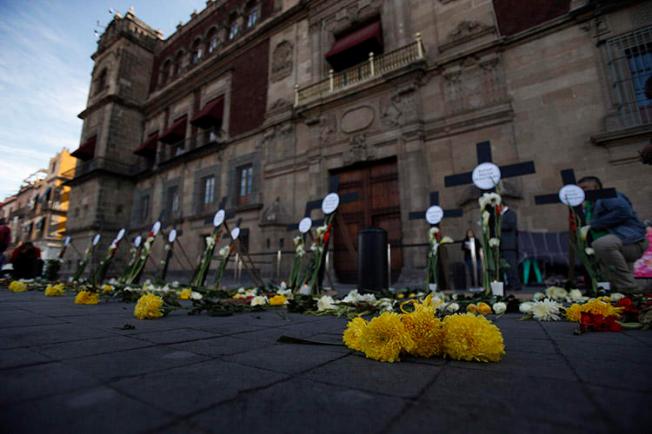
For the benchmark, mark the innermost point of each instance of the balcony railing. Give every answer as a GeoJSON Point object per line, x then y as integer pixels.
{"type": "Point", "coordinates": [374, 67]}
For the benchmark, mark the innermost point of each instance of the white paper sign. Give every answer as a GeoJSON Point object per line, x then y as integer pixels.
{"type": "Point", "coordinates": [571, 195]}
{"type": "Point", "coordinates": [137, 241]}
{"type": "Point", "coordinates": [330, 203]}
{"type": "Point", "coordinates": [66, 241]}
{"type": "Point", "coordinates": [305, 225]}
{"type": "Point", "coordinates": [121, 234]}
{"type": "Point", "coordinates": [434, 215]}
{"type": "Point", "coordinates": [156, 228]}
{"type": "Point", "coordinates": [172, 235]}
{"type": "Point", "coordinates": [219, 218]}
{"type": "Point", "coordinates": [235, 233]}
{"type": "Point", "coordinates": [96, 239]}
{"type": "Point", "coordinates": [486, 176]}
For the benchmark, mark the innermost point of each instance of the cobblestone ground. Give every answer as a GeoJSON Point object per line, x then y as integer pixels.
{"type": "Point", "coordinates": [75, 369]}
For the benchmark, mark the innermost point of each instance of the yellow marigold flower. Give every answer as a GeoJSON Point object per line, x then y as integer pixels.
{"type": "Point", "coordinates": [385, 337]}
{"type": "Point", "coordinates": [17, 286]}
{"type": "Point", "coordinates": [55, 290]}
{"type": "Point", "coordinates": [472, 308]}
{"type": "Point", "coordinates": [574, 313]}
{"type": "Point", "coordinates": [278, 300]}
{"type": "Point", "coordinates": [472, 338]}
{"type": "Point", "coordinates": [107, 289]}
{"type": "Point", "coordinates": [87, 297]}
{"type": "Point", "coordinates": [426, 331]}
{"type": "Point", "coordinates": [601, 306]}
{"type": "Point", "coordinates": [149, 306]}
{"type": "Point", "coordinates": [484, 308]}
{"type": "Point", "coordinates": [185, 294]}
{"type": "Point", "coordinates": [354, 331]}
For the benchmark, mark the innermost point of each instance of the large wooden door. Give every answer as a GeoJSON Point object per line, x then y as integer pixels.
{"type": "Point", "coordinates": [378, 206]}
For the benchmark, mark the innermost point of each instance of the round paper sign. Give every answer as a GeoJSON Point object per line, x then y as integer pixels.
{"type": "Point", "coordinates": [219, 218]}
{"type": "Point", "coordinates": [486, 176]}
{"type": "Point", "coordinates": [434, 215]}
{"type": "Point", "coordinates": [66, 241]}
{"type": "Point", "coordinates": [121, 234]}
{"type": "Point", "coordinates": [235, 233]}
{"type": "Point", "coordinates": [137, 241]}
{"type": "Point", "coordinates": [96, 239]}
{"type": "Point", "coordinates": [305, 225]}
{"type": "Point", "coordinates": [571, 195]}
{"type": "Point", "coordinates": [330, 203]}
{"type": "Point", "coordinates": [172, 235]}
{"type": "Point", "coordinates": [156, 228]}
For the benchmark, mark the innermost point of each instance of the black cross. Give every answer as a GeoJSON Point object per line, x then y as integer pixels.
{"type": "Point", "coordinates": [334, 184]}
{"type": "Point", "coordinates": [434, 200]}
{"type": "Point", "coordinates": [483, 151]}
{"type": "Point", "coordinates": [568, 177]}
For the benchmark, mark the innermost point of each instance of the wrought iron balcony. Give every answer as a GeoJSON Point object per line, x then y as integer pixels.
{"type": "Point", "coordinates": [375, 67]}
{"type": "Point", "coordinates": [99, 164]}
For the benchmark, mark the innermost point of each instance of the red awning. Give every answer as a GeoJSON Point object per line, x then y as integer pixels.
{"type": "Point", "coordinates": [176, 132]}
{"type": "Point", "coordinates": [210, 115]}
{"type": "Point", "coordinates": [371, 32]}
{"type": "Point", "coordinates": [148, 147]}
{"type": "Point", "coordinates": [87, 150]}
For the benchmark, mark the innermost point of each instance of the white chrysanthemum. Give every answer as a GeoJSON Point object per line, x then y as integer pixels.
{"type": "Point", "coordinates": [525, 307]}
{"type": "Point", "coordinates": [494, 242]}
{"type": "Point", "coordinates": [196, 295]}
{"type": "Point", "coordinates": [385, 305]}
{"type": "Point", "coordinates": [210, 242]}
{"type": "Point", "coordinates": [260, 300]}
{"type": "Point", "coordinates": [453, 307]}
{"type": "Point", "coordinates": [175, 284]}
{"type": "Point", "coordinates": [538, 296]}
{"type": "Point", "coordinates": [326, 302]}
{"type": "Point", "coordinates": [616, 296]}
{"type": "Point", "coordinates": [499, 308]}
{"type": "Point", "coordinates": [224, 251]}
{"type": "Point", "coordinates": [556, 293]}
{"type": "Point", "coordinates": [576, 296]}
{"type": "Point", "coordinates": [589, 251]}
{"type": "Point", "coordinates": [546, 310]}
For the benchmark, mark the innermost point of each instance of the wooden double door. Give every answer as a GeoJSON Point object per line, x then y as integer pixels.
{"type": "Point", "coordinates": [378, 205]}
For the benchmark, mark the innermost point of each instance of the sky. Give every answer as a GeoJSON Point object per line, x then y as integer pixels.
{"type": "Point", "coordinates": [45, 69]}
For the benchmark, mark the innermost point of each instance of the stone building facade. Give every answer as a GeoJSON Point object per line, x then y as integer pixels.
{"type": "Point", "coordinates": [264, 102]}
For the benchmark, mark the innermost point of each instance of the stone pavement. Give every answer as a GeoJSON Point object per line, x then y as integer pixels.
{"type": "Point", "coordinates": [74, 369]}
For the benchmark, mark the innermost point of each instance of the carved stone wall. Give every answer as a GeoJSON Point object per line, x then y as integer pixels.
{"type": "Point", "coordinates": [282, 61]}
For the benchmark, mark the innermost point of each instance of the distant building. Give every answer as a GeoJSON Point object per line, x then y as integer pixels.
{"type": "Point", "coordinates": [266, 101]}
{"type": "Point", "coordinates": [38, 212]}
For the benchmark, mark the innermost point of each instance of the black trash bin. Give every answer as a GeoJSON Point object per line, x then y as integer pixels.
{"type": "Point", "coordinates": [372, 260]}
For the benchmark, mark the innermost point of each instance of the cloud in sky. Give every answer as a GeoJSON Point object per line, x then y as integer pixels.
{"type": "Point", "coordinates": [45, 67]}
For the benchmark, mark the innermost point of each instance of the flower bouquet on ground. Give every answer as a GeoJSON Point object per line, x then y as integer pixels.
{"type": "Point", "coordinates": [425, 331]}
{"type": "Point", "coordinates": [585, 253]}
{"type": "Point", "coordinates": [432, 266]}
{"type": "Point", "coordinates": [154, 306]}
{"type": "Point", "coordinates": [224, 254]}
{"type": "Point", "coordinates": [199, 277]}
{"type": "Point", "coordinates": [134, 272]}
{"type": "Point", "coordinates": [319, 250]}
{"type": "Point", "coordinates": [81, 266]}
{"type": "Point", "coordinates": [105, 263]}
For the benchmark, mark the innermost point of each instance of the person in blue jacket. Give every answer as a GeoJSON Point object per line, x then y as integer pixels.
{"type": "Point", "coordinates": [618, 235]}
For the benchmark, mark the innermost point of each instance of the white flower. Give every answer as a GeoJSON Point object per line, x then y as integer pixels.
{"type": "Point", "coordinates": [210, 242]}
{"type": "Point", "coordinates": [499, 308]}
{"type": "Point", "coordinates": [538, 296]}
{"type": "Point", "coordinates": [224, 251]}
{"type": "Point", "coordinates": [326, 302]}
{"type": "Point", "coordinates": [260, 300]}
{"type": "Point", "coordinates": [556, 293]}
{"type": "Point", "coordinates": [432, 234]}
{"type": "Point", "coordinates": [385, 305]}
{"type": "Point", "coordinates": [300, 251]}
{"type": "Point", "coordinates": [321, 230]}
{"type": "Point", "coordinates": [546, 310]}
{"type": "Point", "coordinates": [483, 201]}
{"type": "Point", "coordinates": [485, 218]}
{"type": "Point", "coordinates": [616, 296]}
{"type": "Point", "coordinates": [196, 295]}
{"type": "Point", "coordinates": [525, 307]}
{"type": "Point", "coordinates": [584, 232]}
{"type": "Point", "coordinates": [494, 199]}
{"type": "Point", "coordinates": [297, 241]}
{"type": "Point", "coordinates": [494, 242]}
{"type": "Point", "coordinates": [175, 284]}
{"type": "Point", "coordinates": [446, 240]}
{"type": "Point", "coordinates": [453, 307]}
{"type": "Point", "coordinates": [576, 296]}
{"type": "Point", "coordinates": [589, 251]}
{"type": "Point", "coordinates": [284, 292]}
{"type": "Point", "coordinates": [283, 285]}
{"type": "Point", "coordinates": [305, 290]}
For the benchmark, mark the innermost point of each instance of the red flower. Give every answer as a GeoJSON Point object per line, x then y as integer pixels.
{"type": "Point", "coordinates": [598, 323]}
{"type": "Point", "coordinates": [499, 210]}
{"type": "Point", "coordinates": [327, 234]}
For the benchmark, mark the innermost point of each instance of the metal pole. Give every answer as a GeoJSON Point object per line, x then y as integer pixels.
{"type": "Point", "coordinates": [389, 265]}
{"type": "Point", "coordinates": [279, 256]}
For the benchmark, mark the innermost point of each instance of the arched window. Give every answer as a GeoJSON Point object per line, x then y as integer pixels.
{"type": "Point", "coordinates": [212, 41]}
{"type": "Point", "coordinates": [178, 63]}
{"type": "Point", "coordinates": [197, 52]}
{"type": "Point", "coordinates": [234, 27]}
{"type": "Point", "coordinates": [165, 72]}
{"type": "Point", "coordinates": [252, 14]}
